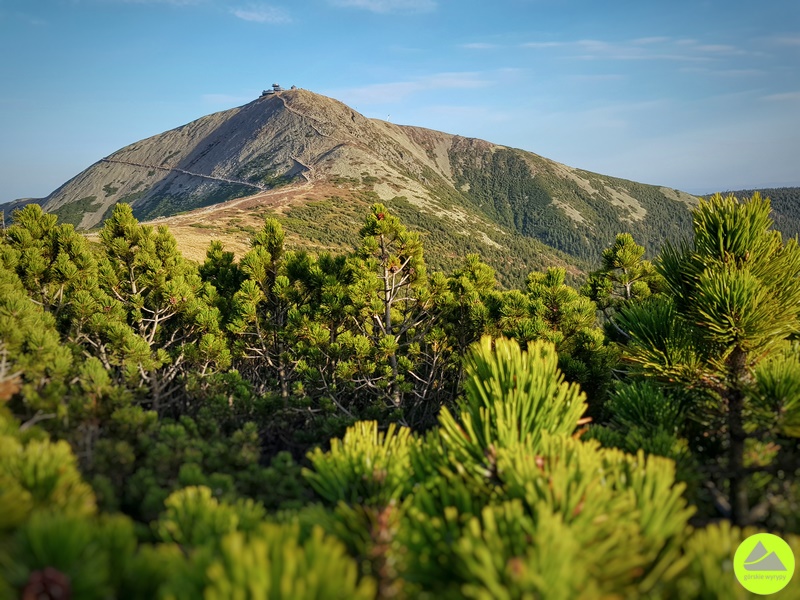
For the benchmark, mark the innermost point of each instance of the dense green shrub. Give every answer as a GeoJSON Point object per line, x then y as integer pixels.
{"type": "Point", "coordinates": [354, 426]}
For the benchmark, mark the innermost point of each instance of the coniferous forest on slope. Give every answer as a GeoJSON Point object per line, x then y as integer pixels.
{"type": "Point", "coordinates": [353, 425]}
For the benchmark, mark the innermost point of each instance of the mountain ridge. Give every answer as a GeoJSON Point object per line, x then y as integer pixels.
{"type": "Point", "coordinates": [295, 148]}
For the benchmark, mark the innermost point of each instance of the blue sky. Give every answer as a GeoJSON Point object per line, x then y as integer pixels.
{"type": "Point", "coordinates": [696, 95]}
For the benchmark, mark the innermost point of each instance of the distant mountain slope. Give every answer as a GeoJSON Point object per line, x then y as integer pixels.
{"type": "Point", "coordinates": [575, 211]}
{"type": "Point", "coordinates": [785, 207]}
{"type": "Point", "coordinates": [317, 164]}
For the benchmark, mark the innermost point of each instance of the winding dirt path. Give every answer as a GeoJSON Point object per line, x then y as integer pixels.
{"type": "Point", "coordinates": [190, 173]}
{"type": "Point", "coordinates": [304, 116]}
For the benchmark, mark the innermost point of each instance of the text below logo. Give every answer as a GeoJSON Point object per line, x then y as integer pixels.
{"type": "Point", "coordinates": [764, 563]}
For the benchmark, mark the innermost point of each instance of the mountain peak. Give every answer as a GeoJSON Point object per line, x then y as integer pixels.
{"type": "Point", "coordinates": [286, 137]}
{"type": "Point", "coordinates": [288, 148]}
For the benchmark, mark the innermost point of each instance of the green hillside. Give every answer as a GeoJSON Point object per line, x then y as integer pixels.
{"type": "Point", "coordinates": [332, 224]}
{"type": "Point", "coordinates": [579, 214]}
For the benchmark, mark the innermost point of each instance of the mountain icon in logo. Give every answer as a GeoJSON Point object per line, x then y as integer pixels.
{"type": "Point", "coordinates": [760, 559]}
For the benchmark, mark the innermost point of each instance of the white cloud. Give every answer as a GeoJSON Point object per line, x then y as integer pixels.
{"type": "Point", "coordinates": [261, 13]}
{"type": "Point", "coordinates": [171, 2]}
{"type": "Point", "coordinates": [720, 49]}
{"type": "Point", "coordinates": [786, 96]}
{"type": "Point", "coordinates": [645, 48]}
{"type": "Point", "coordinates": [597, 77]}
{"type": "Point", "coordinates": [787, 40]}
{"type": "Point", "coordinates": [650, 40]}
{"type": "Point", "coordinates": [388, 6]}
{"type": "Point", "coordinates": [479, 46]}
{"type": "Point", "coordinates": [543, 44]}
{"type": "Point", "coordinates": [733, 73]}
{"type": "Point", "coordinates": [594, 49]}
{"type": "Point", "coordinates": [396, 91]}
{"type": "Point", "coordinates": [253, 12]}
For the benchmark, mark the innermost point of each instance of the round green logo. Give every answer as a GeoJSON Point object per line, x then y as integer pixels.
{"type": "Point", "coordinates": [764, 564]}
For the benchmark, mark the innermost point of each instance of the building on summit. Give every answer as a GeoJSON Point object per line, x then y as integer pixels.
{"type": "Point", "coordinates": [275, 89]}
